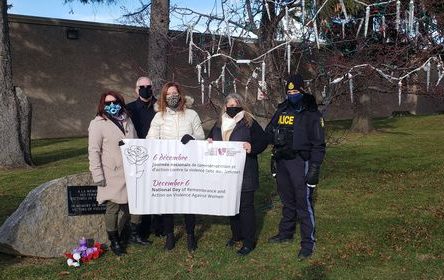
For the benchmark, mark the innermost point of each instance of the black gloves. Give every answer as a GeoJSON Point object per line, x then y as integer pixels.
{"type": "Point", "coordinates": [312, 177]}
{"type": "Point", "coordinates": [186, 138]}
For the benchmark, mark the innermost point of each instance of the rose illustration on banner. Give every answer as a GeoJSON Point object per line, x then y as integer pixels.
{"type": "Point", "coordinates": [137, 155]}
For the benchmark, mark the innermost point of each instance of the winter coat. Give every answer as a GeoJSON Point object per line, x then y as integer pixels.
{"type": "Point", "coordinates": [174, 125]}
{"type": "Point", "coordinates": [105, 158]}
{"type": "Point", "coordinates": [256, 136]}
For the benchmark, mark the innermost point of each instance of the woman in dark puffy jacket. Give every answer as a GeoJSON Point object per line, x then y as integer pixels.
{"type": "Point", "coordinates": [236, 123]}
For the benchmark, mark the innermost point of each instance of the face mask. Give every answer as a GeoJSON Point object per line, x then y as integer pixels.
{"type": "Point", "coordinates": [146, 92]}
{"type": "Point", "coordinates": [233, 111]}
{"type": "Point", "coordinates": [294, 98]}
{"type": "Point", "coordinates": [113, 109]}
{"type": "Point", "coordinates": [173, 101]}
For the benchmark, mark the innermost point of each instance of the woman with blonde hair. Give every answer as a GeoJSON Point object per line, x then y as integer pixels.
{"type": "Point", "coordinates": [236, 123]}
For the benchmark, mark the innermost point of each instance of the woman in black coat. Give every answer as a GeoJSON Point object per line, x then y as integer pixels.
{"type": "Point", "coordinates": [237, 124]}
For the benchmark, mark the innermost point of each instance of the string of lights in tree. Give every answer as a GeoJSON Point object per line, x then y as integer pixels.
{"type": "Point", "coordinates": [294, 31]}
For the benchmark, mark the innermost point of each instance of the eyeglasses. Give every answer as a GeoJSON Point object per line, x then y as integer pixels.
{"type": "Point", "coordinates": [111, 102]}
{"type": "Point", "coordinates": [144, 86]}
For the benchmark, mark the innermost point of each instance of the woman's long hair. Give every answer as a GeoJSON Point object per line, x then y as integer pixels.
{"type": "Point", "coordinates": [240, 101]}
{"type": "Point", "coordinates": [162, 98]}
{"type": "Point", "coordinates": [101, 106]}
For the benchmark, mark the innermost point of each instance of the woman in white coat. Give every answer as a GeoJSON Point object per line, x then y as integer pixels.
{"type": "Point", "coordinates": [106, 130]}
{"type": "Point", "coordinates": [175, 121]}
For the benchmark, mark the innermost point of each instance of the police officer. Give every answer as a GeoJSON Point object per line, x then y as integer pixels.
{"type": "Point", "coordinates": [142, 113]}
{"type": "Point", "coordinates": [296, 131]}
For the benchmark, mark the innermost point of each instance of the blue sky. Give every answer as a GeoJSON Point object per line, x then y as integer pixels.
{"type": "Point", "coordinates": [92, 12]}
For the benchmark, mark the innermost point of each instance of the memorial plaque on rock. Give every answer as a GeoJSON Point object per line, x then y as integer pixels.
{"type": "Point", "coordinates": [82, 201]}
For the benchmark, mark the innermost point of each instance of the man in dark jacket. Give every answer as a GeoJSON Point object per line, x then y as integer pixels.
{"type": "Point", "coordinates": [296, 131]}
{"type": "Point", "coordinates": [142, 113]}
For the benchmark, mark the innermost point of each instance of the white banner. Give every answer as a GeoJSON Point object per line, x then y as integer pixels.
{"type": "Point", "coordinates": [166, 176]}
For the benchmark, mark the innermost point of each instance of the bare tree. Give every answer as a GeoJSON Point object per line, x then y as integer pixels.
{"type": "Point", "coordinates": [158, 41]}
{"type": "Point", "coordinates": [14, 110]}
{"type": "Point", "coordinates": [326, 41]}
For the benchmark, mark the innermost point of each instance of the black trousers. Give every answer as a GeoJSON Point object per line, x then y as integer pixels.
{"type": "Point", "coordinates": [297, 201]}
{"type": "Point", "coordinates": [152, 224]}
{"type": "Point", "coordinates": [243, 225]}
{"type": "Point", "coordinates": [190, 223]}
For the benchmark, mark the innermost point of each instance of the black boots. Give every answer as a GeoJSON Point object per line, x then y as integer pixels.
{"type": "Point", "coordinates": [135, 237]}
{"type": "Point", "coordinates": [191, 242]}
{"type": "Point", "coordinates": [115, 245]}
{"type": "Point", "coordinates": [170, 242]}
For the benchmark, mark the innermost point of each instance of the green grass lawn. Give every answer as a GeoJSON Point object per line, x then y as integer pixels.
{"type": "Point", "coordinates": [379, 206]}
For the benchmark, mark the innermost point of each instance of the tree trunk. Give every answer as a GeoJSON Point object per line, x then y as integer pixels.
{"type": "Point", "coordinates": [158, 42]}
{"type": "Point", "coordinates": [266, 41]}
{"type": "Point", "coordinates": [12, 153]}
{"type": "Point", "coordinates": [362, 121]}
{"type": "Point", "coordinates": [25, 117]}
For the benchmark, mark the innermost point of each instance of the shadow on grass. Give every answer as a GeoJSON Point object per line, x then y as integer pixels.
{"type": "Point", "coordinates": [314, 271]}
{"type": "Point", "coordinates": [57, 155]}
{"type": "Point", "coordinates": [6, 260]}
{"type": "Point", "coordinates": [38, 143]}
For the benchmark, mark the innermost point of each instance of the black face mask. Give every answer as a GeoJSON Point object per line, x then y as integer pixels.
{"type": "Point", "coordinates": [233, 111]}
{"type": "Point", "coordinates": [146, 92]}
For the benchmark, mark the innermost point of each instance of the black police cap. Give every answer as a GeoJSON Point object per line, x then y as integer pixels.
{"type": "Point", "coordinates": [295, 82]}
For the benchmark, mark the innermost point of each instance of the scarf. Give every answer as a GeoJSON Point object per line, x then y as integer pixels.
{"type": "Point", "coordinates": [228, 124]}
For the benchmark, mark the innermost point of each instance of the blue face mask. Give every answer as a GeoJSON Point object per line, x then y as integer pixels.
{"type": "Point", "coordinates": [294, 98]}
{"type": "Point", "coordinates": [113, 109]}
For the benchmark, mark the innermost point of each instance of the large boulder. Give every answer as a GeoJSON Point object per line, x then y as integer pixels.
{"type": "Point", "coordinates": [41, 226]}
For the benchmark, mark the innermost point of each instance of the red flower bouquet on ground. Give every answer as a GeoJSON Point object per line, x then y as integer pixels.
{"type": "Point", "coordinates": [86, 251]}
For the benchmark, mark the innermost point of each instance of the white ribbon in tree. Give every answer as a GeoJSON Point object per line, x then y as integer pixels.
{"type": "Point", "coordinates": [199, 70]}
{"type": "Point", "coordinates": [223, 79]}
{"type": "Point", "coordinates": [383, 26]}
{"type": "Point", "coordinates": [350, 85]}
{"type": "Point", "coordinates": [361, 21]}
{"type": "Point", "coordinates": [315, 29]}
{"type": "Point", "coordinates": [285, 22]}
{"type": "Point", "coordinates": [344, 10]}
{"type": "Point", "coordinates": [399, 92]}
{"type": "Point", "coordinates": [303, 16]}
{"type": "Point", "coordinates": [268, 10]}
{"type": "Point", "coordinates": [209, 64]}
{"type": "Point", "coordinates": [367, 18]}
{"type": "Point", "coordinates": [190, 46]}
{"type": "Point", "coordinates": [202, 90]}
{"type": "Point", "coordinates": [398, 15]}
{"type": "Point", "coordinates": [263, 71]}
{"type": "Point", "coordinates": [209, 91]}
{"type": "Point", "coordinates": [427, 70]}
{"type": "Point", "coordinates": [440, 73]}
{"type": "Point", "coordinates": [324, 92]}
{"type": "Point", "coordinates": [337, 80]}
{"type": "Point", "coordinates": [411, 15]}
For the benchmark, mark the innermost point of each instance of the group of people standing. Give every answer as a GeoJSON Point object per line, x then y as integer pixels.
{"type": "Point", "coordinates": [295, 131]}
